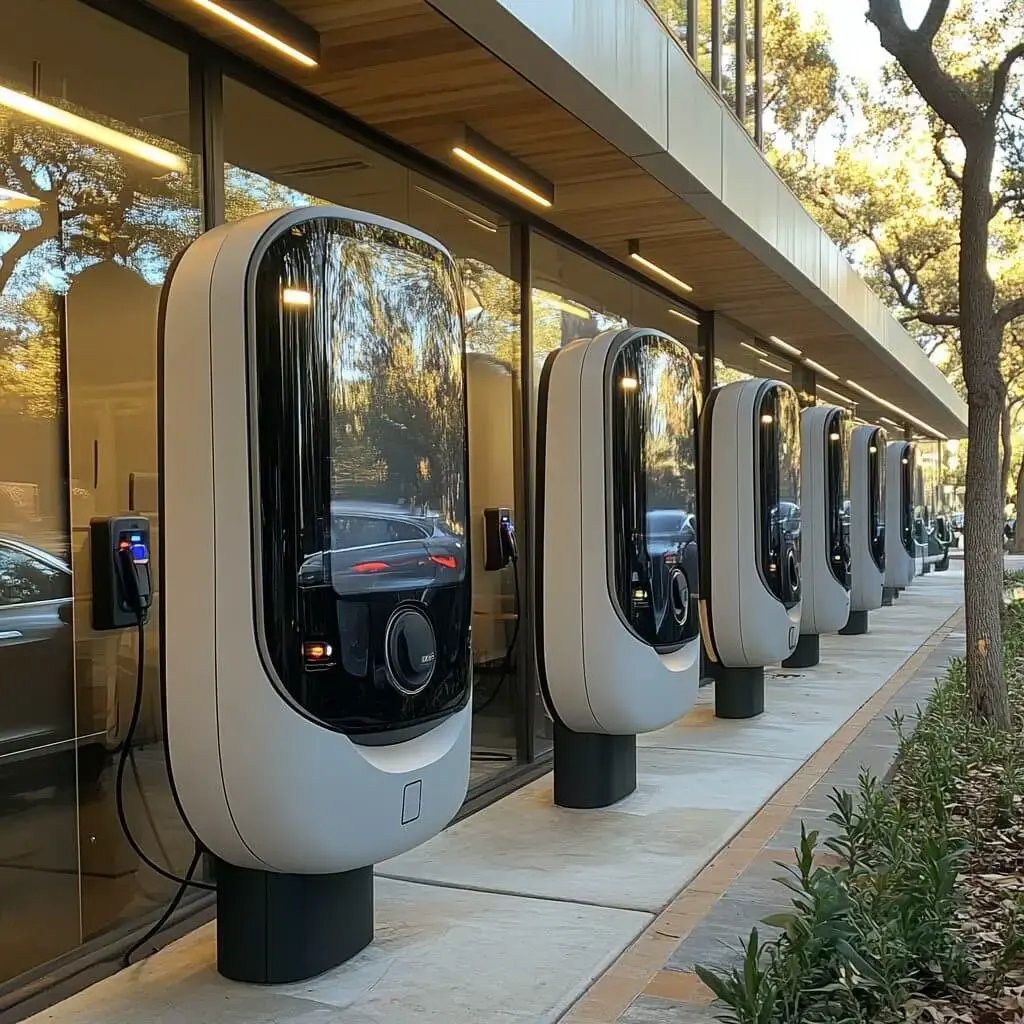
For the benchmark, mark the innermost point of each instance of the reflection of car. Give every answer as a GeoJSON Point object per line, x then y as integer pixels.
{"type": "Point", "coordinates": [385, 547]}
{"type": "Point", "coordinates": [671, 541]}
{"type": "Point", "coordinates": [36, 648]}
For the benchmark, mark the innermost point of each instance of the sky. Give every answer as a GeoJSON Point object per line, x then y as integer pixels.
{"type": "Point", "coordinates": [854, 40]}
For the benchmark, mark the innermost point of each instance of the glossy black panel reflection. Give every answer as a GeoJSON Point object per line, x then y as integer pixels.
{"type": "Point", "coordinates": [876, 493]}
{"type": "Point", "coordinates": [837, 519]}
{"type": "Point", "coordinates": [360, 441]}
{"type": "Point", "coordinates": [777, 456]}
{"type": "Point", "coordinates": [652, 414]}
{"type": "Point", "coordinates": [907, 500]}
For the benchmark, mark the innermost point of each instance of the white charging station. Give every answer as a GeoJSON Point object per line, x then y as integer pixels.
{"type": "Point", "coordinates": [316, 583]}
{"type": "Point", "coordinates": [617, 564]}
{"type": "Point", "coordinates": [825, 562]}
{"type": "Point", "coordinates": [900, 546]}
{"type": "Point", "coordinates": [867, 525]}
{"type": "Point", "coordinates": [750, 515]}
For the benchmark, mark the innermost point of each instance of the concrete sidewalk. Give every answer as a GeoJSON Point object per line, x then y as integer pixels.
{"type": "Point", "coordinates": [511, 914]}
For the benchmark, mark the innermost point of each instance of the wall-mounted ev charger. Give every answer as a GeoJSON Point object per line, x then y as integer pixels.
{"type": "Point", "coordinates": [867, 525]}
{"type": "Point", "coordinates": [122, 581]}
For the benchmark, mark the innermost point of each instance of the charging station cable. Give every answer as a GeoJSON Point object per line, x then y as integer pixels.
{"type": "Point", "coordinates": [506, 662]}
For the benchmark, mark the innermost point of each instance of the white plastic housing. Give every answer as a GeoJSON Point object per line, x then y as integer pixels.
{"type": "Point", "coordinates": [900, 547]}
{"type": "Point", "coordinates": [825, 603]}
{"type": "Point", "coordinates": [260, 783]}
{"type": "Point", "coordinates": [744, 624]}
{"type": "Point", "coordinates": [867, 495]}
{"type": "Point", "coordinates": [597, 673]}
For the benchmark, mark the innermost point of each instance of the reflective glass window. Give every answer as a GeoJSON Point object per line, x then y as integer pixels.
{"type": "Point", "coordinates": [654, 574]}
{"type": "Point", "coordinates": [359, 404]}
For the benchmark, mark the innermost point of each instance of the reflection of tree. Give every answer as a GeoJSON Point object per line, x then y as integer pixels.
{"type": "Point", "coordinates": [86, 205]}
{"type": "Point", "coordinates": [397, 377]}
{"type": "Point", "coordinates": [492, 312]}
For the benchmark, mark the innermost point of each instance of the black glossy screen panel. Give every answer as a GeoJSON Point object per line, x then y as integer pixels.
{"type": "Point", "coordinates": [876, 492]}
{"type": "Point", "coordinates": [358, 397]}
{"type": "Point", "coordinates": [652, 414]}
{"type": "Point", "coordinates": [837, 461]}
{"type": "Point", "coordinates": [777, 459]}
{"type": "Point", "coordinates": [907, 500]}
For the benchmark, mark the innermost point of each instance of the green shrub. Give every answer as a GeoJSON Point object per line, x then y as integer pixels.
{"type": "Point", "coordinates": [886, 925]}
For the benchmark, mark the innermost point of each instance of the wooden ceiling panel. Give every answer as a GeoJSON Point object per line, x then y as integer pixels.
{"type": "Point", "coordinates": [401, 67]}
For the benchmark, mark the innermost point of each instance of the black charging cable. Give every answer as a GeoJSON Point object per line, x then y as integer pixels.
{"type": "Point", "coordinates": [506, 661]}
{"type": "Point", "coordinates": [140, 606]}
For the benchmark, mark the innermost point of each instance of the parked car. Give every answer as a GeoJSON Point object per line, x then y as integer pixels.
{"type": "Point", "coordinates": [36, 649]}
{"type": "Point", "coordinates": [385, 547]}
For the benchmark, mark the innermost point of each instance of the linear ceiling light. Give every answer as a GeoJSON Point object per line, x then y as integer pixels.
{"type": "Point", "coordinates": [892, 423]}
{"type": "Point", "coordinates": [774, 366]}
{"type": "Point", "coordinates": [818, 368]}
{"type": "Point", "coordinates": [262, 35]}
{"type": "Point", "coordinates": [896, 409]}
{"type": "Point", "coordinates": [11, 200]}
{"type": "Point", "coordinates": [685, 316]}
{"type": "Point", "coordinates": [296, 297]}
{"type": "Point", "coordinates": [87, 129]}
{"type": "Point", "coordinates": [753, 348]}
{"type": "Point", "coordinates": [635, 255]}
{"type": "Point", "coordinates": [504, 168]}
{"type": "Point", "coordinates": [784, 345]}
{"type": "Point", "coordinates": [845, 399]}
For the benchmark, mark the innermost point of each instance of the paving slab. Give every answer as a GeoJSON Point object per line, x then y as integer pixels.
{"type": "Point", "coordinates": [441, 956]}
{"type": "Point", "coordinates": [637, 854]}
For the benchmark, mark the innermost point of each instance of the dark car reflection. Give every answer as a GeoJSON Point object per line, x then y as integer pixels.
{"type": "Point", "coordinates": [672, 544]}
{"type": "Point", "coordinates": [385, 547]}
{"type": "Point", "coordinates": [36, 648]}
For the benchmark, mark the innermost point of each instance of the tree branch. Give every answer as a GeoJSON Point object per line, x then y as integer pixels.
{"type": "Point", "coordinates": [1000, 80]}
{"type": "Point", "coordinates": [1010, 311]}
{"type": "Point", "coordinates": [913, 51]}
{"type": "Point", "coordinates": [933, 19]}
{"type": "Point", "coordinates": [933, 319]}
{"type": "Point", "coordinates": [947, 165]}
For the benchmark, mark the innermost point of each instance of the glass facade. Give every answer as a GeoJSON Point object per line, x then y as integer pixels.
{"type": "Point", "coordinates": [90, 219]}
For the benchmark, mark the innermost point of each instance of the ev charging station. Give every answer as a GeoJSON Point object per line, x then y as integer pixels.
{"type": "Point", "coordinates": [316, 578]}
{"type": "Point", "coordinates": [867, 525]}
{"type": "Point", "coordinates": [825, 544]}
{"type": "Point", "coordinates": [750, 537]}
{"type": "Point", "coordinates": [617, 562]}
{"type": "Point", "coordinates": [900, 546]}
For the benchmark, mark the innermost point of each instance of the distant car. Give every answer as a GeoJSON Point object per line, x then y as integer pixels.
{"type": "Point", "coordinates": [36, 650]}
{"type": "Point", "coordinates": [378, 547]}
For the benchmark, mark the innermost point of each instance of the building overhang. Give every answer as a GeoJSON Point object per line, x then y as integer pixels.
{"type": "Point", "coordinates": [599, 100]}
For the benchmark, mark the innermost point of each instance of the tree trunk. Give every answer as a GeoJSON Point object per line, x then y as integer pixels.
{"type": "Point", "coordinates": [1018, 542]}
{"type": "Point", "coordinates": [1006, 439]}
{"type": "Point", "coordinates": [986, 398]}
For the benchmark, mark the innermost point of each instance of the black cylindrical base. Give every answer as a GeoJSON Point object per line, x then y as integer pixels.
{"type": "Point", "coordinates": [592, 769]}
{"type": "Point", "coordinates": [926, 567]}
{"type": "Point", "coordinates": [274, 928]}
{"type": "Point", "coordinates": [807, 652]}
{"type": "Point", "coordinates": [856, 624]}
{"type": "Point", "coordinates": [889, 595]}
{"type": "Point", "coordinates": [739, 692]}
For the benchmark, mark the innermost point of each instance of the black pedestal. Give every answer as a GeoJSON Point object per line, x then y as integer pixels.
{"type": "Point", "coordinates": [739, 692]}
{"type": "Point", "coordinates": [889, 595]}
{"type": "Point", "coordinates": [274, 928]}
{"type": "Point", "coordinates": [856, 624]}
{"type": "Point", "coordinates": [926, 567]}
{"type": "Point", "coordinates": [592, 769]}
{"type": "Point", "coordinates": [807, 652]}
